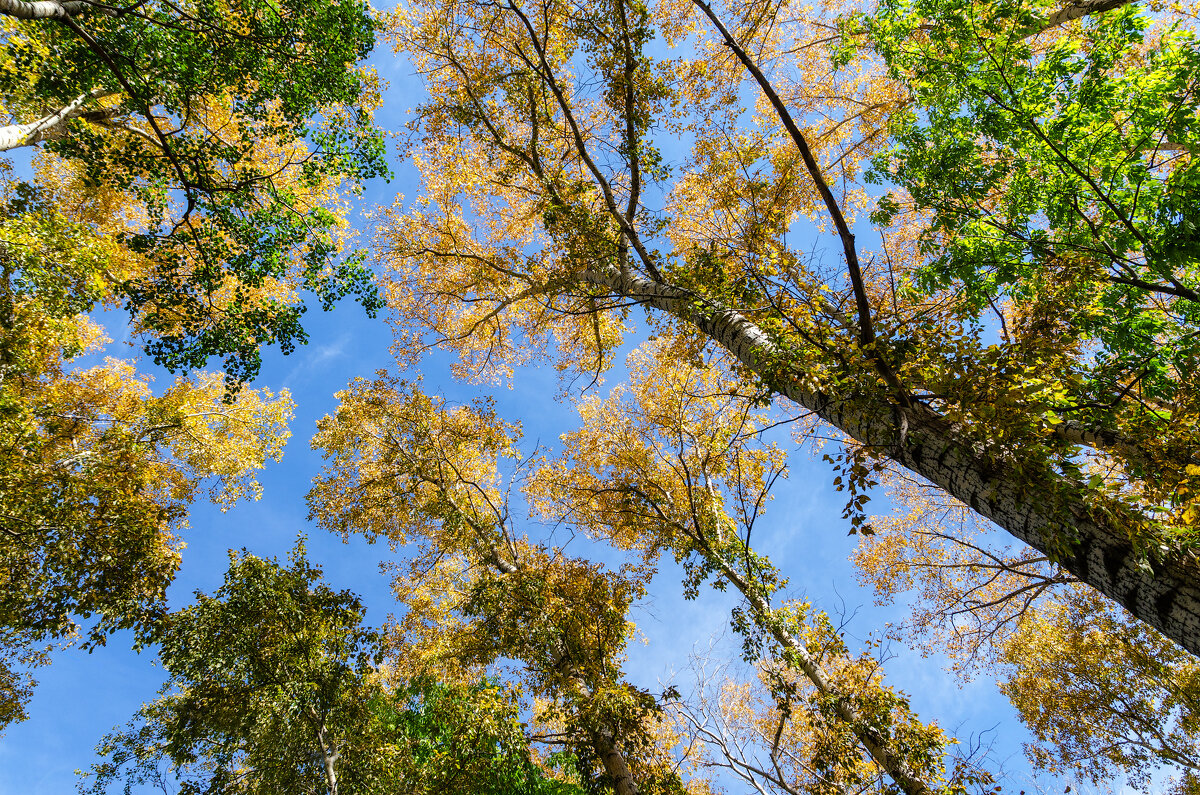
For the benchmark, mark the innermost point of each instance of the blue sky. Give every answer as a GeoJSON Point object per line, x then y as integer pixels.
{"type": "Point", "coordinates": [82, 696]}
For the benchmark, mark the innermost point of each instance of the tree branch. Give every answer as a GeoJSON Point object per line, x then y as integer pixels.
{"type": "Point", "coordinates": [866, 326]}
{"type": "Point", "coordinates": [42, 9]}
{"type": "Point", "coordinates": [15, 136]}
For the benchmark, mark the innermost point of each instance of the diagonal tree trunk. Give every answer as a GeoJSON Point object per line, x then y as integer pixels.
{"type": "Point", "coordinates": [876, 743]}
{"type": "Point", "coordinates": [15, 136]}
{"type": "Point", "coordinates": [1038, 507]}
{"type": "Point", "coordinates": [41, 9]}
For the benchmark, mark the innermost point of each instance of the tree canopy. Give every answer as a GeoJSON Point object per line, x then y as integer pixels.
{"type": "Point", "coordinates": [951, 247]}
{"type": "Point", "coordinates": [190, 167]}
{"type": "Point", "coordinates": [892, 351]}
{"type": "Point", "coordinates": [98, 469]}
{"type": "Point", "coordinates": [225, 128]}
{"type": "Point", "coordinates": [272, 689]}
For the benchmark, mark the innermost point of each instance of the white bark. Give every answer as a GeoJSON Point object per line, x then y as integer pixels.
{"type": "Point", "coordinates": [329, 758]}
{"type": "Point", "coordinates": [41, 9]}
{"type": "Point", "coordinates": [1035, 507]}
{"type": "Point", "coordinates": [1080, 8]}
{"type": "Point", "coordinates": [17, 135]}
{"type": "Point", "coordinates": [877, 746]}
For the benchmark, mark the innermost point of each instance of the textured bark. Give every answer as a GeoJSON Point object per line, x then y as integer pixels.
{"type": "Point", "coordinates": [614, 763]}
{"type": "Point", "coordinates": [1037, 507]}
{"type": "Point", "coordinates": [1079, 9]}
{"type": "Point", "coordinates": [41, 9]}
{"type": "Point", "coordinates": [17, 135]}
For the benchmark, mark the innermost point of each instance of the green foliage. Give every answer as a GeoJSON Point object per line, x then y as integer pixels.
{"type": "Point", "coordinates": [1061, 156]}
{"type": "Point", "coordinates": [46, 256]}
{"type": "Point", "coordinates": [96, 472]}
{"type": "Point", "coordinates": [267, 676]}
{"type": "Point", "coordinates": [227, 121]}
{"type": "Point", "coordinates": [460, 739]}
{"type": "Point", "coordinates": [1052, 168]}
{"type": "Point", "coordinates": [273, 684]}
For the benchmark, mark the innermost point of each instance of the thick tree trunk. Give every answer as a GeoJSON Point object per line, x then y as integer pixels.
{"type": "Point", "coordinates": [1034, 508]}
{"type": "Point", "coordinates": [614, 763]}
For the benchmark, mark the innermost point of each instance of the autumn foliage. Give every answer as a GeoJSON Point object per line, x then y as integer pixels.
{"type": "Point", "coordinates": [951, 248]}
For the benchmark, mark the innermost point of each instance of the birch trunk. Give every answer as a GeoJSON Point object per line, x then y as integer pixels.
{"type": "Point", "coordinates": [875, 744]}
{"type": "Point", "coordinates": [17, 135]}
{"type": "Point", "coordinates": [329, 761]}
{"type": "Point", "coordinates": [41, 9]}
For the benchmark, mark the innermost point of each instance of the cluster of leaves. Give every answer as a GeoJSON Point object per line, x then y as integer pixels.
{"type": "Point", "coordinates": [652, 470]}
{"type": "Point", "coordinates": [407, 467]}
{"type": "Point", "coordinates": [229, 124]}
{"type": "Point", "coordinates": [1056, 165]}
{"type": "Point", "coordinates": [98, 470]}
{"type": "Point", "coordinates": [1104, 697]}
{"type": "Point", "coordinates": [189, 167]}
{"type": "Point", "coordinates": [675, 461]}
{"type": "Point", "coordinates": [273, 688]}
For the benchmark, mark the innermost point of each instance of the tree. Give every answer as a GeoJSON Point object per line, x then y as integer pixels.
{"type": "Point", "coordinates": [968, 593]}
{"type": "Point", "coordinates": [272, 689]}
{"type": "Point", "coordinates": [1020, 341]}
{"type": "Point", "coordinates": [97, 470]}
{"type": "Point", "coordinates": [676, 461]}
{"type": "Point", "coordinates": [673, 465]}
{"type": "Point", "coordinates": [762, 730]}
{"type": "Point", "coordinates": [229, 126]}
{"type": "Point", "coordinates": [1103, 696]}
{"type": "Point", "coordinates": [549, 211]}
{"type": "Point", "coordinates": [267, 678]}
{"type": "Point", "coordinates": [405, 467]}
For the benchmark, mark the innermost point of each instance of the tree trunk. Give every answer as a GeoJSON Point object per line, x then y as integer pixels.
{"type": "Point", "coordinates": [877, 744]}
{"type": "Point", "coordinates": [41, 9]}
{"type": "Point", "coordinates": [17, 135]}
{"type": "Point", "coordinates": [329, 760]}
{"type": "Point", "coordinates": [614, 763]}
{"type": "Point", "coordinates": [1036, 508]}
